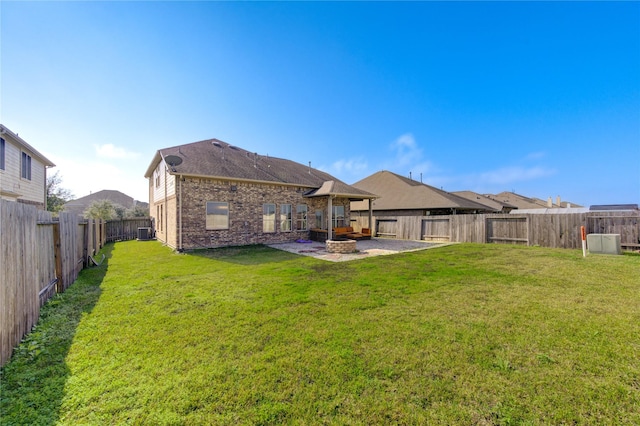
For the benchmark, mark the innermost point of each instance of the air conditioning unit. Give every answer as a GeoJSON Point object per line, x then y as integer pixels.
{"type": "Point", "coordinates": [144, 234]}
{"type": "Point", "coordinates": [604, 243]}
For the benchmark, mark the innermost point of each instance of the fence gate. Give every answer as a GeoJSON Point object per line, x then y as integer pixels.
{"type": "Point", "coordinates": [508, 230]}
{"type": "Point", "coordinates": [386, 227]}
{"type": "Point", "coordinates": [436, 229]}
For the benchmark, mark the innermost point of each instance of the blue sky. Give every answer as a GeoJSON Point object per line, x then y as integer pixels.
{"type": "Point", "coordinates": [534, 97]}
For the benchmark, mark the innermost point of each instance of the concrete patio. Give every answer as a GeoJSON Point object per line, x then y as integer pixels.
{"type": "Point", "coordinates": [365, 248]}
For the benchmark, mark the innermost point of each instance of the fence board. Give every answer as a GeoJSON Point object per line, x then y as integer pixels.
{"type": "Point", "coordinates": [46, 267]}
{"type": "Point", "coordinates": [19, 303]}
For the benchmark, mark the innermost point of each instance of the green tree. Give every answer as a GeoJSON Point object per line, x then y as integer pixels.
{"type": "Point", "coordinates": [104, 209]}
{"type": "Point", "coordinates": [137, 211]}
{"type": "Point", "coordinates": [57, 196]}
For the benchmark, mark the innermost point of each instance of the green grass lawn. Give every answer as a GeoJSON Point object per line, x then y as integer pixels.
{"type": "Point", "coordinates": [464, 334]}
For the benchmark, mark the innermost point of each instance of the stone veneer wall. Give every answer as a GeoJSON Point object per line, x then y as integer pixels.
{"type": "Point", "coordinates": [245, 212]}
{"type": "Point", "coordinates": [341, 246]}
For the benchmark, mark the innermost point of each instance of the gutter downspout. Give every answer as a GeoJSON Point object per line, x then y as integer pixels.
{"type": "Point", "coordinates": [164, 210]}
{"type": "Point", "coordinates": [46, 193]}
{"type": "Point", "coordinates": [371, 217]}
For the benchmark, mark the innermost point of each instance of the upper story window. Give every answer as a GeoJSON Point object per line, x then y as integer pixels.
{"type": "Point", "coordinates": [156, 176]}
{"type": "Point", "coordinates": [1, 154]}
{"type": "Point", "coordinates": [26, 166]}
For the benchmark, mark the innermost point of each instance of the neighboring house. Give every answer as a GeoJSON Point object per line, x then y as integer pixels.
{"type": "Point", "coordinates": [498, 206]}
{"type": "Point", "coordinates": [615, 207]}
{"type": "Point", "coordinates": [212, 194]}
{"type": "Point", "coordinates": [524, 203]}
{"type": "Point", "coordinates": [80, 205]}
{"type": "Point", "coordinates": [401, 196]}
{"type": "Point", "coordinates": [23, 171]}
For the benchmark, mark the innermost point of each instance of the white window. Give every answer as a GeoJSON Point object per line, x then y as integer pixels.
{"type": "Point", "coordinates": [26, 166]}
{"type": "Point", "coordinates": [269, 218]}
{"type": "Point", "coordinates": [217, 215]}
{"type": "Point", "coordinates": [338, 216]}
{"type": "Point", "coordinates": [285, 217]}
{"type": "Point", "coordinates": [301, 217]}
{"type": "Point", "coordinates": [1, 154]}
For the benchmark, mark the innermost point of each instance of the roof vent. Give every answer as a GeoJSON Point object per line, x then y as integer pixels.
{"type": "Point", "coordinates": [216, 144]}
{"type": "Point", "coordinates": [233, 147]}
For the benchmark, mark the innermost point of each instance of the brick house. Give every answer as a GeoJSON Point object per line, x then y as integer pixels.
{"type": "Point", "coordinates": [23, 171]}
{"type": "Point", "coordinates": [212, 194]}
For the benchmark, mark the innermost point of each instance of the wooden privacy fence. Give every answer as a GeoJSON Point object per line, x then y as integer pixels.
{"type": "Point", "coordinates": [545, 230]}
{"type": "Point", "coordinates": [39, 256]}
{"type": "Point", "coordinates": [126, 229]}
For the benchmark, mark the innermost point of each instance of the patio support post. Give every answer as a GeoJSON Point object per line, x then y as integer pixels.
{"type": "Point", "coordinates": [371, 217]}
{"type": "Point", "coordinates": [330, 218]}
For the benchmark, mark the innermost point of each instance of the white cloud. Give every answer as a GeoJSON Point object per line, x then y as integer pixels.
{"type": "Point", "coordinates": [111, 151]}
{"type": "Point", "coordinates": [85, 177]}
{"type": "Point", "coordinates": [536, 155]}
{"type": "Point", "coordinates": [507, 175]}
{"type": "Point", "coordinates": [406, 151]}
{"type": "Point", "coordinates": [350, 166]}
{"type": "Point", "coordinates": [408, 158]}
{"type": "Point", "coordinates": [348, 170]}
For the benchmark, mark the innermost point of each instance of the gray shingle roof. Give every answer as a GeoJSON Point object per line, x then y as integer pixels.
{"type": "Point", "coordinates": [400, 193]}
{"type": "Point", "coordinates": [519, 201]}
{"type": "Point", "coordinates": [214, 158]}
{"type": "Point", "coordinates": [483, 199]}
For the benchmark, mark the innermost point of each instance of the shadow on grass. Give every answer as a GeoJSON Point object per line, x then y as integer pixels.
{"type": "Point", "coordinates": [33, 381]}
{"type": "Point", "coordinates": [246, 255]}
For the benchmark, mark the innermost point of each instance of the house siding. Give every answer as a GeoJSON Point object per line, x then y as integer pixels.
{"type": "Point", "coordinates": [166, 186]}
{"type": "Point", "coordinates": [25, 190]}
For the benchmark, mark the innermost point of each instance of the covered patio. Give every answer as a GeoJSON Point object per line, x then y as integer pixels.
{"type": "Point", "coordinates": [330, 191]}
